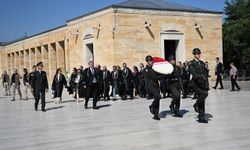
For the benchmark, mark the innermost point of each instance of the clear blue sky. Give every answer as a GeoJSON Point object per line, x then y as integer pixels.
{"type": "Point", "coordinates": [34, 16]}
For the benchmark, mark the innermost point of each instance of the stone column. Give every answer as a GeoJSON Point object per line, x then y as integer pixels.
{"type": "Point", "coordinates": [67, 60]}
{"type": "Point", "coordinates": [32, 57]}
{"type": "Point", "coordinates": [45, 58]}
{"type": "Point", "coordinates": [38, 54]}
{"type": "Point", "coordinates": [60, 55]}
{"type": "Point", "coordinates": [26, 59]}
{"type": "Point", "coordinates": [12, 63]}
{"type": "Point", "coordinates": [18, 62]}
{"type": "Point", "coordinates": [52, 60]}
{"type": "Point", "coordinates": [21, 57]}
{"type": "Point", "coordinates": [1, 63]}
{"type": "Point", "coordinates": [8, 62]}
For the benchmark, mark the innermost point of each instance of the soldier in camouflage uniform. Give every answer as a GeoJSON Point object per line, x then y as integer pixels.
{"type": "Point", "coordinates": [199, 84]}
{"type": "Point", "coordinates": [152, 79]}
{"type": "Point", "coordinates": [175, 88]}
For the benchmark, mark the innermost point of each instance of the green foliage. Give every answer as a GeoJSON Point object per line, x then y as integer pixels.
{"type": "Point", "coordinates": [236, 33]}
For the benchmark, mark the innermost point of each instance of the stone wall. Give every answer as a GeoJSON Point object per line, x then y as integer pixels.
{"type": "Point", "coordinates": [118, 35]}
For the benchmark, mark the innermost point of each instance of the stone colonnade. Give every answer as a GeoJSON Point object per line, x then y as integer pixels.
{"type": "Point", "coordinates": [52, 55]}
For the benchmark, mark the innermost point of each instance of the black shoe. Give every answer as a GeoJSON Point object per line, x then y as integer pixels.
{"type": "Point", "coordinates": [202, 119]}
{"type": "Point", "coordinates": [221, 88]}
{"type": "Point", "coordinates": [13, 100]}
{"type": "Point", "coordinates": [43, 110]}
{"type": "Point", "coordinates": [95, 108]}
{"type": "Point", "coordinates": [156, 118]}
{"type": "Point", "coordinates": [214, 88]}
{"type": "Point", "coordinates": [152, 110]}
{"type": "Point", "coordinates": [35, 108]}
{"type": "Point", "coordinates": [85, 106]}
{"type": "Point", "coordinates": [171, 107]}
{"type": "Point", "coordinates": [232, 90]}
{"type": "Point", "coordinates": [196, 108]}
{"type": "Point", "coordinates": [178, 114]}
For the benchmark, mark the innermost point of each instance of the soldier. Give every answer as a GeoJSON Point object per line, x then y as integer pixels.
{"type": "Point", "coordinates": [185, 79]}
{"type": "Point", "coordinates": [152, 79]}
{"type": "Point", "coordinates": [163, 87]}
{"type": "Point", "coordinates": [199, 84]}
{"type": "Point", "coordinates": [6, 83]}
{"type": "Point", "coordinates": [175, 87]}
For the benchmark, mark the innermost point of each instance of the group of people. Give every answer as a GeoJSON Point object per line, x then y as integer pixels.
{"type": "Point", "coordinates": [219, 71]}
{"type": "Point", "coordinates": [36, 82]}
{"type": "Point", "coordinates": [101, 84]}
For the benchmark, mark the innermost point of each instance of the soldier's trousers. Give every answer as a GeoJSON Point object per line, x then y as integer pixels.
{"type": "Point", "coordinates": [38, 95]}
{"type": "Point", "coordinates": [202, 95]}
{"type": "Point", "coordinates": [176, 95]}
{"type": "Point", "coordinates": [157, 97]}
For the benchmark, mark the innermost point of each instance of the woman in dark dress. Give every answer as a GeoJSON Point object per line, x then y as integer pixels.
{"type": "Point", "coordinates": [57, 85]}
{"type": "Point", "coordinates": [136, 80]}
{"type": "Point", "coordinates": [72, 85]}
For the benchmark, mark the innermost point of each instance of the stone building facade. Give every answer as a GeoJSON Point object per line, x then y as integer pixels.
{"type": "Point", "coordinates": [124, 32]}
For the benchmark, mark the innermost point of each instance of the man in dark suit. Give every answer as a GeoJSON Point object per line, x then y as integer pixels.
{"type": "Point", "coordinates": [39, 85]}
{"type": "Point", "coordinates": [218, 72]}
{"type": "Point", "coordinates": [91, 80]}
{"type": "Point", "coordinates": [127, 85]}
{"type": "Point", "coordinates": [106, 81]}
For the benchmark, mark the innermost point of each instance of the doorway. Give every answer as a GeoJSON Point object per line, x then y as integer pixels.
{"type": "Point", "coordinates": [170, 47]}
{"type": "Point", "coordinates": [173, 43]}
{"type": "Point", "coordinates": [89, 53]}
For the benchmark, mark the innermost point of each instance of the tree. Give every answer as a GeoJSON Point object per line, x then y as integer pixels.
{"type": "Point", "coordinates": [236, 33]}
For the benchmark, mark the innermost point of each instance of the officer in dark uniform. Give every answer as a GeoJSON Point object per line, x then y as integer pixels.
{"type": "Point", "coordinates": [199, 84]}
{"type": "Point", "coordinates": [175, 87]}
{"type": "Point", "coordinates": [185, 80]}
{"type": "Point", "coordinates": [152, 79]}
{"type": "Point", "coordinates": [39, 85]}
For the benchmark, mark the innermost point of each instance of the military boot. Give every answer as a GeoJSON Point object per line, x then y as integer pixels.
{"type": "Point", "coordinates": [196, 108]}
{"type": "Point", "coordinates": [202, 118]}
{"type": "Point", "coordinates": [171, 107]}
{"type": "Point", "coordinates": [152, 109]}
{"type": "Point", "coordinates": [156, 115]}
